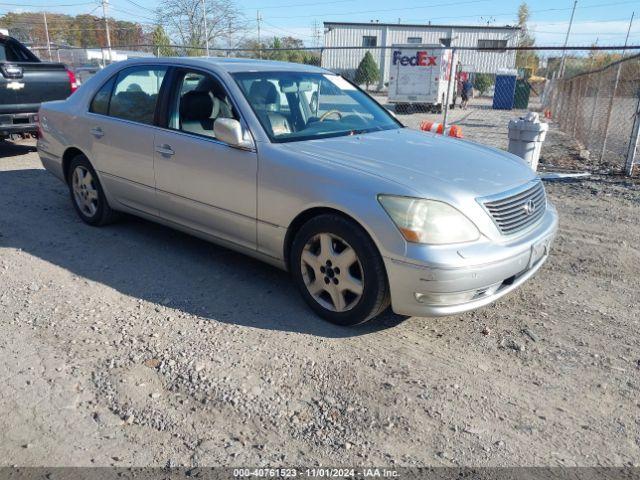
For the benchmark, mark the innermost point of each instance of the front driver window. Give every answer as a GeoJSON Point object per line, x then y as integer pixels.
{"type": "Point", "coordinates": [200, 100]}
{"type": "Point", "coordinates": [294, 106]}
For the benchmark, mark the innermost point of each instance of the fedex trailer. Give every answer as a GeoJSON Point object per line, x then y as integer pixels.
{"type": "Point", "coordinates": [419, 76]}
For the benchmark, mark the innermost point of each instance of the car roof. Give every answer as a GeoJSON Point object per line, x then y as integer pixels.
{"type": "Point", "coordinates": [231, 65]}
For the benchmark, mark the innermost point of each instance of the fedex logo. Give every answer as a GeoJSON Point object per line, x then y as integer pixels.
{"type": "Point", "coordinates": [420, 59]}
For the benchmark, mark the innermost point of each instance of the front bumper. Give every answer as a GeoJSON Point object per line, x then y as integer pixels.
{"type": "Point", "coordinates": [435, 290]}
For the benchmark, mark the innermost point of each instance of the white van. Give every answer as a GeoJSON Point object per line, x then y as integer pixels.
{"type": "Point", "coordinates": [419, 75]}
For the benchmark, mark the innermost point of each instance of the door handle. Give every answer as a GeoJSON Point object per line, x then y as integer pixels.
{"type": "Point", "coordinates": [97, 132]}
{"type": "Point", "coordinates": [165, 150]}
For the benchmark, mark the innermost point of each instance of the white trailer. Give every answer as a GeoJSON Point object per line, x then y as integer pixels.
{"type": "Point", "coordinates": [419, 76]}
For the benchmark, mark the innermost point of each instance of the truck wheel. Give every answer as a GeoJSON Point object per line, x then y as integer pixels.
{"type": "Point", "coordinates": [339, 271]}
{"type": "Point", "coordinates": [87, 195]}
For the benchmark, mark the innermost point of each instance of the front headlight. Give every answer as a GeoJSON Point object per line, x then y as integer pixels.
{"type": "Point", "coordinates": [428, 221]}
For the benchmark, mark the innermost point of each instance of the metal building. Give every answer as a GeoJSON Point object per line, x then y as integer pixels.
{"type": "Point", "coordinates": [366, 36]}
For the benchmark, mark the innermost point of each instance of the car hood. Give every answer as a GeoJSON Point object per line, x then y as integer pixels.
{"type": "Point", "coordinates": [423, 162]}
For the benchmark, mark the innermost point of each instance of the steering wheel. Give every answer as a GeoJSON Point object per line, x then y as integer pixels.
{"type": "Point", "coordinates": [330, 112]}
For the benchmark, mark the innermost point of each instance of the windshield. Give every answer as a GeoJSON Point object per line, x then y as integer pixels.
{"type": "Point", "coordinates": [293, 106]}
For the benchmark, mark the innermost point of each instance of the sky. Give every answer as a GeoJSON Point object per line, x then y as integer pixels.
{"type": "Point", "coordinates": [601, 21]}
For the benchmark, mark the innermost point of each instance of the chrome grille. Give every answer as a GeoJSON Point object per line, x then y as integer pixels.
{"type": "Point", "coordinates": [516, 211]}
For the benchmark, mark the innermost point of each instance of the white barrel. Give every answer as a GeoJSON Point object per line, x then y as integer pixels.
{"type": "Point", "coordinates": [526, 136]}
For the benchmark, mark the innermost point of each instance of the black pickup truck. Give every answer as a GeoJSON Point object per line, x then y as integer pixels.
{"type": "Point", "coordinates": [24, 84]}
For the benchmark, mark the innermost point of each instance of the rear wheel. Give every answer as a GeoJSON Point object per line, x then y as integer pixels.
{"type": "Point", "coordinates": [339, 271]}
{"type": "Point", "coordinates": [87, 195]}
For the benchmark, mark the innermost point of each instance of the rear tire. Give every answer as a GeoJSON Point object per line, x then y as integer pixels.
{"type": "Point", "coordinates": [339, 271]}
{"type": "Point", "coordinates": [87, 194]}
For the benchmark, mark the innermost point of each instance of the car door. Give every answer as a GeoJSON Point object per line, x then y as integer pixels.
{"type": "Point", "coordinates": [201, 182]}
{"type": "Point", "coordinates": [121, 128]}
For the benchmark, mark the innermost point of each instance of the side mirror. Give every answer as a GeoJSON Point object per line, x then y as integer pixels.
{"type": "Point", "coordinates": [229, 131]}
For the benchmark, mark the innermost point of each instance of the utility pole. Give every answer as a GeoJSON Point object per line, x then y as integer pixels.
{"type": "Point", "coordinates": [46, 32]}
{"type": "Point", "coordinates": [105, 4]}
{"type": "Point", "coordinates": [259, 19]}
{"type": "Point", "coordinates": [206, 30]}
{"type": "Point", "coordinates": [626, 40]}
{"type": "Point", "coordinates": [566, 40]}
{"type": "Point", "coordinates": [316, 34]}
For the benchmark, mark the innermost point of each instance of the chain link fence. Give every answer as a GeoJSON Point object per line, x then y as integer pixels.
{"type": "Point", "coordinates": [596, 101]}
{"type": "Point", "coordinates": [601, 110]}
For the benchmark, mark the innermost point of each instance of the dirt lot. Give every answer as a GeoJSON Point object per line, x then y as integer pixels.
{"type": "Point", "coordinates": [137, 345]}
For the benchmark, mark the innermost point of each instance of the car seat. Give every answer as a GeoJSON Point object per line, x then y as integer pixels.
{"type": "Point", "coordinates": [266, 101]}
{"type": "Point", "coordinates": [196, 110]}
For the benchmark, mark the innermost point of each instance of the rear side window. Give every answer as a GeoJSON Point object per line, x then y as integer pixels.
{"type": "Point", "coordinates": [100, 103]}
{"type": "Point", "coordinates": [14, 52]}
{"type": "Point", "coordinates": [136, 93]}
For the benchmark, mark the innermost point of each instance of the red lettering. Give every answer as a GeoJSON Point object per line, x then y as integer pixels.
{"type": "Point", "coordinates": [424, 60]}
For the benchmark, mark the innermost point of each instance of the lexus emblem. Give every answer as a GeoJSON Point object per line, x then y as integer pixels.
{"type": "Point", "coordinates": [529, 208]}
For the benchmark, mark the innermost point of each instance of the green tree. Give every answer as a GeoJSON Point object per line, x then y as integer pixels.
{"type": "Point", "coordinates": [82, 30]}
{"type": "Point", "coordinates": [288, 49]}
{"type": "Point", "coordinates": [162, 42]}
{"type": "Point", "coordinates": [482, 83]}
{"type": "Point", "coordinates": [367, 71]}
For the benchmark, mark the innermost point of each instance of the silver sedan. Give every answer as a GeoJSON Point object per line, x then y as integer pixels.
{"type": "Point", "coordinates": [296, 166]}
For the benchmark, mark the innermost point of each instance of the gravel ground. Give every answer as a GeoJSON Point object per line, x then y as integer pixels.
{"type": "Point", "coordinates": [137, 345]}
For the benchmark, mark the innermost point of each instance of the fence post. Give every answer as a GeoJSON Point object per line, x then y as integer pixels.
{"type": "Point", "coordinates": [633, 142]}
{"type": "Point", "coordinates": [451, 79]}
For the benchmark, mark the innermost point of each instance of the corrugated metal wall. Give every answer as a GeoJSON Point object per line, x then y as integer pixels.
{"type": "Point", "coordinates": [346, 61]}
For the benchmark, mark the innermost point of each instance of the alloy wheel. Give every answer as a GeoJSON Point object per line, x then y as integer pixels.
{"type": "Point", "coordinates": [332, 272]}
{"type": "Point", "coordinates": [85, 192]}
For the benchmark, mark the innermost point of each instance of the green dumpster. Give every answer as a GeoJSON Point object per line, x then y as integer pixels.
{"type": "Point", "coordinates": [521, 96]}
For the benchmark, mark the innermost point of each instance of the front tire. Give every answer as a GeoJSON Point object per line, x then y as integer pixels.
{"type": "Point", "coordinates": [339, 271]}
{"type": "Point", "coordinates": [87, 194]}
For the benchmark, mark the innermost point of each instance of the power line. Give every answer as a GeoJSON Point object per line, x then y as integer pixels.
{"type": "Point", "coordinates": [448, 4]}
{"type": "Point", "coordinates": [147, 9]}
{"type": "Point", "coordinates": [286, 31]}
{"type": "Point", "coordinates": [511, 14]}
{"type": "Point", "coordinates": [121, 10]}
{"type": "Point", "coordinates": [546, 32]}
{"type": "Point", "coordinates": [297, 5]}
{"type": "Point", "coordinates": [47, 6]}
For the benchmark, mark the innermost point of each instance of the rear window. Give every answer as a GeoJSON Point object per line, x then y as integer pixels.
{"type": "Point", "coordinates": [14, 52]}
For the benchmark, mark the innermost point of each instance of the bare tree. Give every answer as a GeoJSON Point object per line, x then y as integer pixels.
{"type": "Point", "coordinates": [183, 22]}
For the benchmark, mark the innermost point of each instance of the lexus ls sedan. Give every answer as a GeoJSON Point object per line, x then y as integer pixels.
{"type": "Point", "coordinates": [297, 166]}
